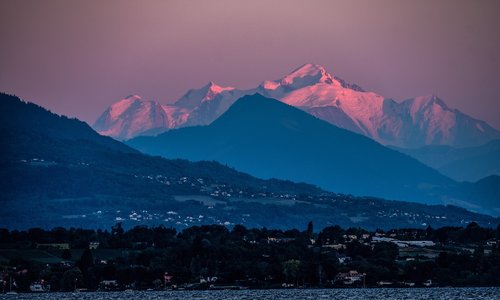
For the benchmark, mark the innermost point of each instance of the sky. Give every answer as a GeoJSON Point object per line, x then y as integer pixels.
{"type": "Point", "coordinates": [78, 57]}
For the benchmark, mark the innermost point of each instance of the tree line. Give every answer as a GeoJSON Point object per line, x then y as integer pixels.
{"type": "Point", "coordinates": [199, 256]}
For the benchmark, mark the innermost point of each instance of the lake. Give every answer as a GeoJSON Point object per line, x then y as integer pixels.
{"type": "Point", "coordinates": [362, 294]}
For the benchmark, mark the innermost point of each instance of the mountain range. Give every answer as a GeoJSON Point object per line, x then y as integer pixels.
{"type": "Point", "coordinates": [461, 164]}
{"type": "Point", "coordinates": [51, 164]}
{"type": "Point", "coordinates": [57, 171]}
{"type": "Point", "coordinates": [412, 123]}
{"type": "Point", "coordinates": [267, 138]}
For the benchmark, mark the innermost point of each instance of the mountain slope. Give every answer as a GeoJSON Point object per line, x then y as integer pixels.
{"type": "Point", "coordinates": [133, 116]}
{"type": "Point", "coordinates": [46, 159]}
{"type": "Point", "coordinates": [195, 97]}
{"type": "Point", "coordinates": [267, 138]}
{"type": "Point", "coordinates": [56, 171]}
{"type": "Point", "coordinates": [462, 164]}
{"type": "Point", "coordinates": [483, 193]}
{"type": "Point", "coordinates": [26, 127]}
{"type": "Point", "coordinates": [411, 123]}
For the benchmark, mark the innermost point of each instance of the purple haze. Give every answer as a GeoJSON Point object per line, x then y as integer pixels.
{"type": "Point", "coordinates": [76, 58]}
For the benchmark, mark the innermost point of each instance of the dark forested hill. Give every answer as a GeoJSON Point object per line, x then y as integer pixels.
{"type": "Point", "coordinates": [56, 171]}
{"type": "Point", "coordinates": [267, 138]}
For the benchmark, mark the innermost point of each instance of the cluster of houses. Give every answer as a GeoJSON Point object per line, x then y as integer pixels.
{"type": "Point", "coordinates": [350, 278]}
{"type": "Point", "coordinates": [403, 244]}
{"type": "Point", "coordinates": [224, 194]}
{"type": "Point", "coordinates": [355, 278]}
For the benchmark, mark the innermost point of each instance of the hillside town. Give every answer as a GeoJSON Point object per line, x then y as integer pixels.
{"type": "Point", "coordinates": [204, 202]}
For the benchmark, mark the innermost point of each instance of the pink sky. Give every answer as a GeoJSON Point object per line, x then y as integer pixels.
{"type": "Point", "coordinates": [78, 57]}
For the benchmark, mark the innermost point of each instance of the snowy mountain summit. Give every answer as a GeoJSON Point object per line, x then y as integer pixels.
{"type": "Point", "coordinates": [415, 122]}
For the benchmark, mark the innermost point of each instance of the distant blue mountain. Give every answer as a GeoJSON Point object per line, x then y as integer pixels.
{"type": "Point", "coordinates": [462, 164]}
{"type": "Point", "coordinates": [268, 138]}
{"type": "Point", "coordinates": [483, 193]}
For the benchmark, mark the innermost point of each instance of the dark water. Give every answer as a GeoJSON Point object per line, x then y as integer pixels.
{"type": "Point", "coordinates": [388, 294]}
{"type": "Point", "coordinates": [313, 294]}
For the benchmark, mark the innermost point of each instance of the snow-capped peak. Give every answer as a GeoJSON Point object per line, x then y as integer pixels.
{"type": "Point", "coordinates": [212, 86]}
{"type": "Point", "coordinates": [118, 108]}
{"type": "Point", "coordinates": [195, 97]}
{"type": "Point", "coordinates": [307, 74]}
{"type": "Point", "coordinates": [422, 102]}
{"type": "Point", "coordinates": [213, 89]}
{"type": "Point", "coordinates": [415, 122]}
{"type": "Point", "coordinates": [308, 70]}
{"type": "Point", "coordinates": [133, 97]}
{"type": "Point", "coordinates": [304, 76]}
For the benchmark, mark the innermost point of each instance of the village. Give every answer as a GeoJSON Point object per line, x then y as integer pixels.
{"type": "Point", "coordinates": [214, 257]}
{"type": "Point", "coordinates": [197, 201]}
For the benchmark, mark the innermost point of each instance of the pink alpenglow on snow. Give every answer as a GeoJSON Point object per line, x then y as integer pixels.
{"type": "Point", "coordinates": [196, 97]}
{"type": "Point", "coordinates": [134, 116]}
{"type": "Point", "coordinates": [419, 121]}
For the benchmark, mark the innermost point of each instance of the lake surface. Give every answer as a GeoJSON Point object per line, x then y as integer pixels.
{"type": "Point", "coordinates": [313, 294]}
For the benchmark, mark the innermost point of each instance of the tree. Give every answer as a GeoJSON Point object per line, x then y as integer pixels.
{"type": "Point", "coordinates": [478, 252]}
{"type": "Point", "coordinates": [117, 231]}
{"type": "Point", "coordinates": [66, 254]}
{"type": "Point", "coordinates": [443, 260]}
{"type": "Point", "coordinates": [239, 232]}
{"type": "Point", "coordinates": [330, 264]}
{"type": "Point", "coordinates": [86, 261]}
{"type": "Point", "coordinates": [355, 249]}
{"type": "Point", "coordinates": [71, 279]}
{"type": "Point", "coordinates": [386, 251]}
{"type": "Point", "coordinates": [310, 230]}
{"type": "Point", "coordinates": [429, 232]}
{"type": "Point", "coordinates": [331, 235]}
{"type": "Point", "coordinates": [195, 267]}
{"type": "Point", "coordinates": [291, 269]}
